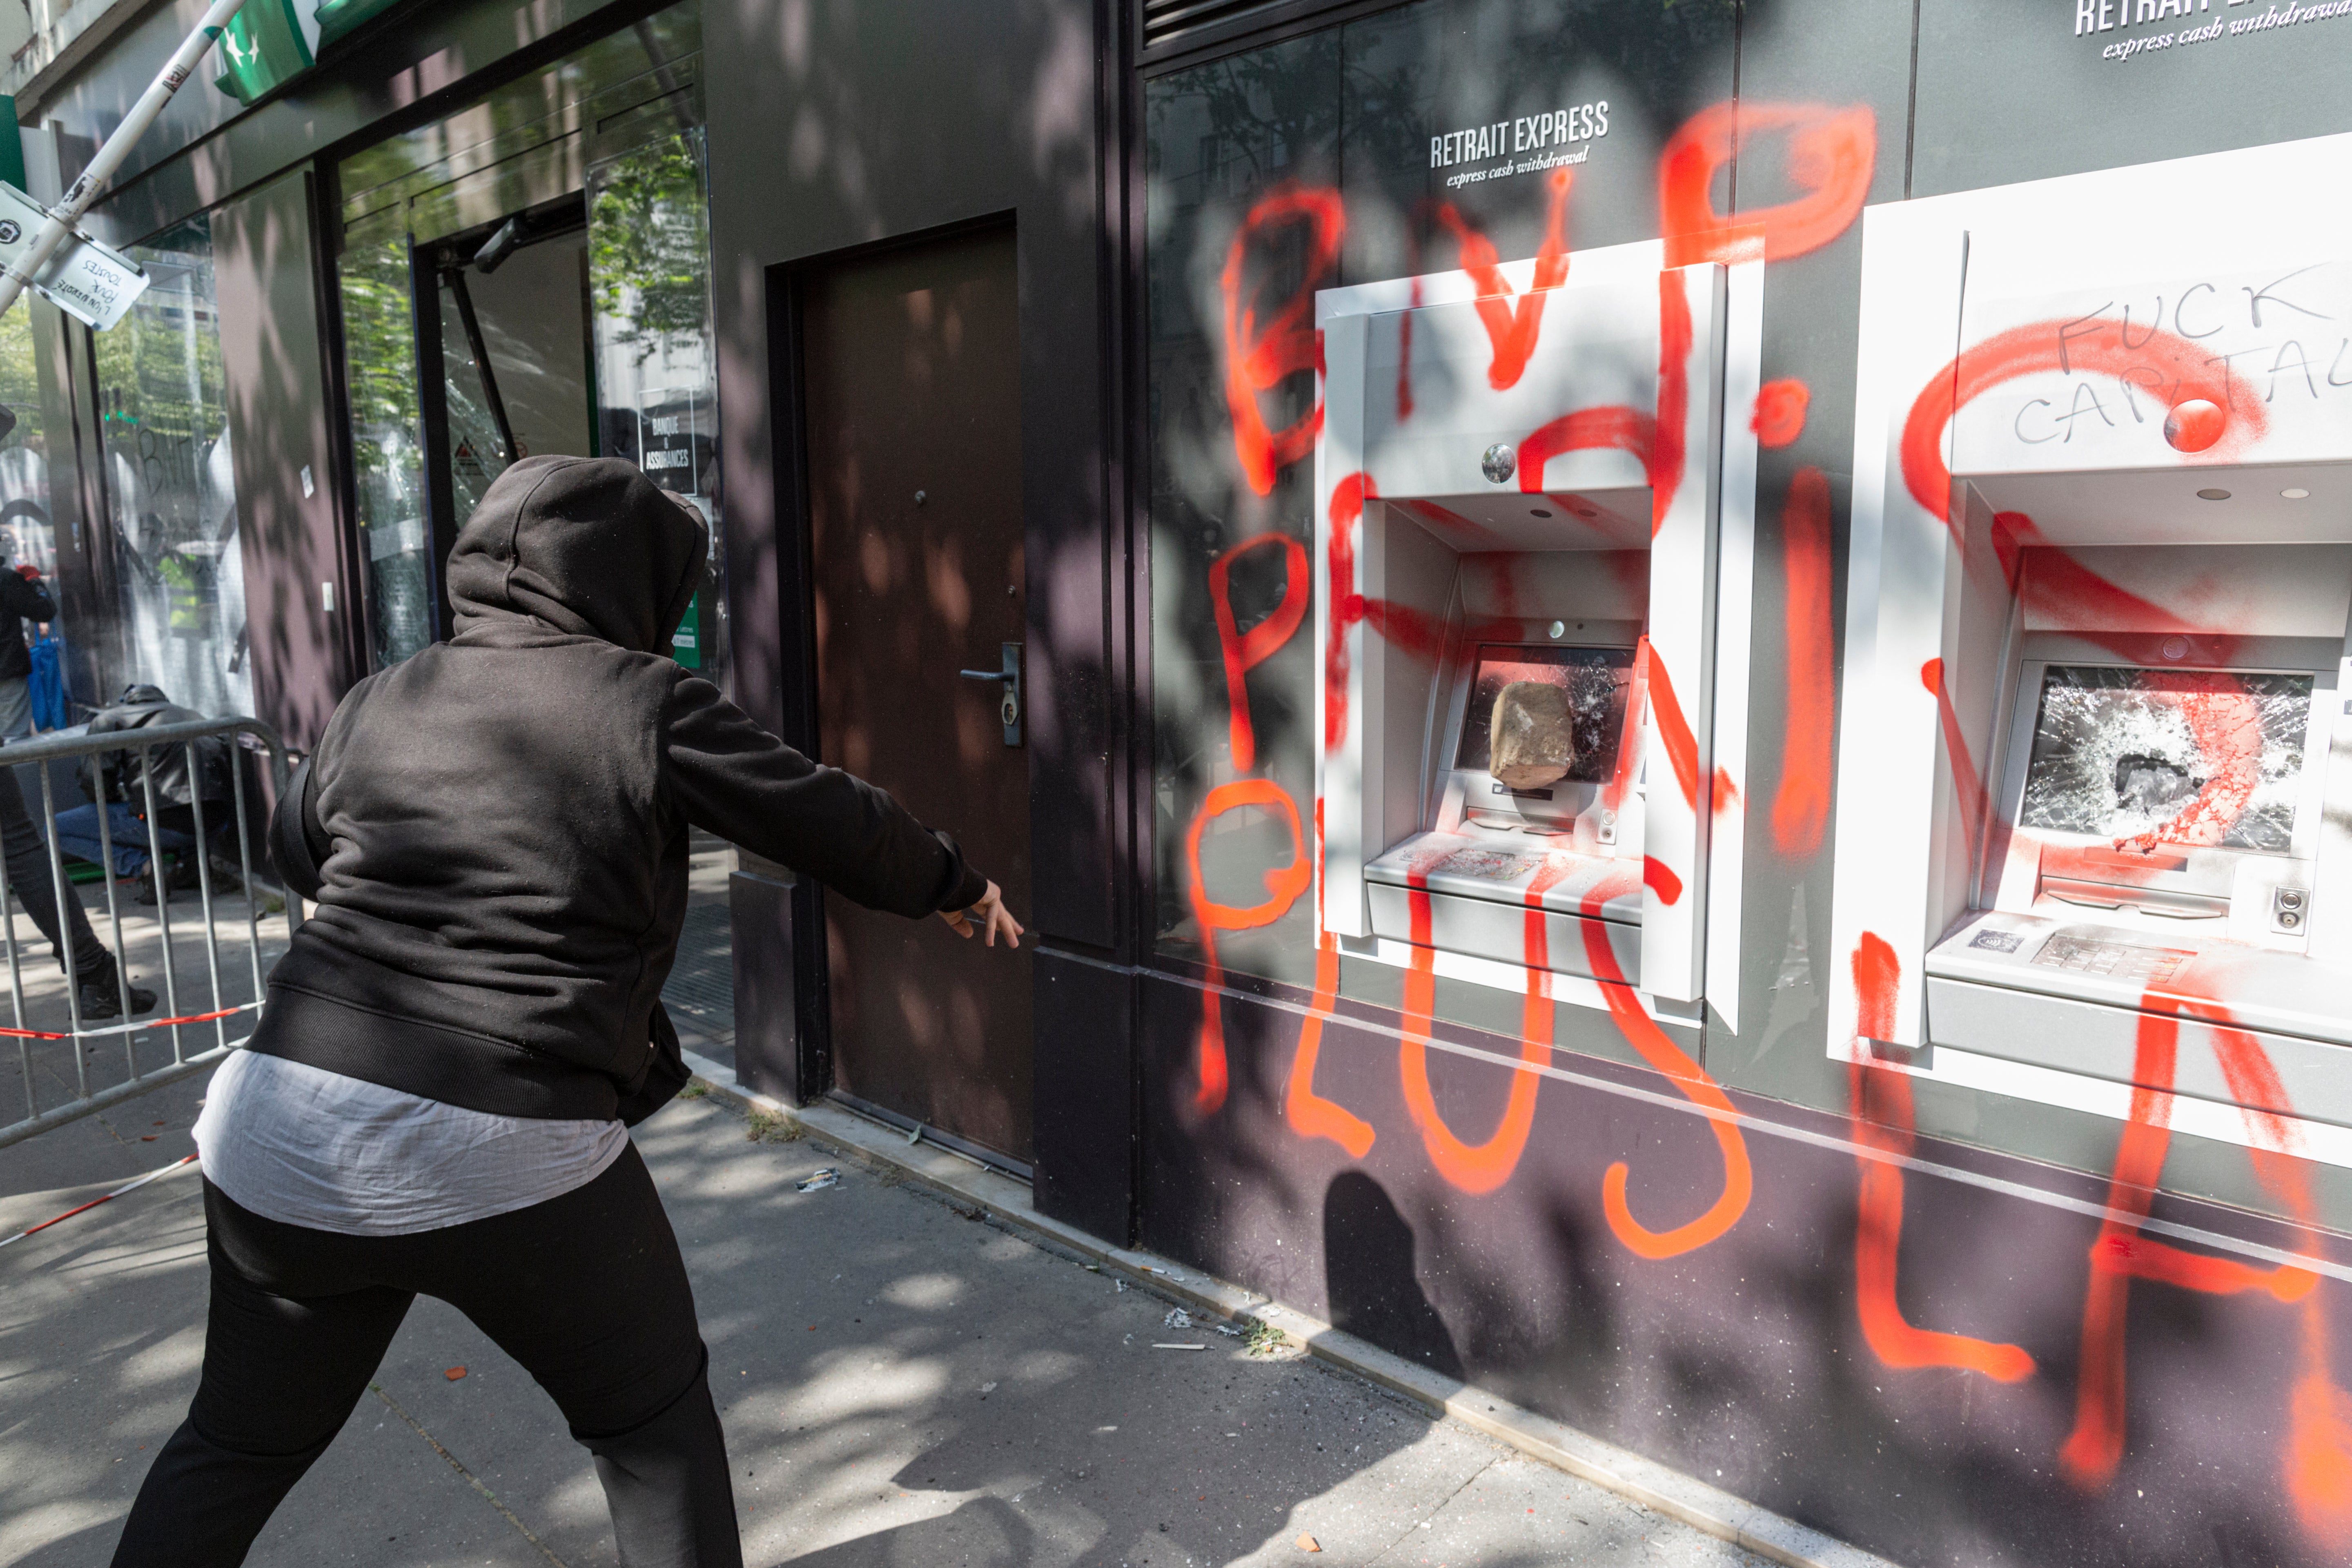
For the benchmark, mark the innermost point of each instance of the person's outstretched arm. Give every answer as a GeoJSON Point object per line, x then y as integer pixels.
{"type": "Point", "coordinates": [735, 779]}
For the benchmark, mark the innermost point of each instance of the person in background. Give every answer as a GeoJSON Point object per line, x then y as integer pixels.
{"type": "Point", "coordinates": [23, 598]}
{"type": "Point", "coordinates": [115, 779]}
{"type": "Point", "coordinates": [34, 880]}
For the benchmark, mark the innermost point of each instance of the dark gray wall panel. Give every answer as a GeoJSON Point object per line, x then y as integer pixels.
{"type": "Point", "coordinates": [1833, 54]}
{"type": "Point", "coordinates": [760, 925]}
{"type": "Point", "coordinates": [2008, 91]}
{"type": "Point", "coordinates": [275, 371]}
{"type": "Point", "coordinates": [1085, 1063]}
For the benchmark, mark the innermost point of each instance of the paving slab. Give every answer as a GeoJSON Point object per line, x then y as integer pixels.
{"type": "Point", "coordinates": [904, 1380]}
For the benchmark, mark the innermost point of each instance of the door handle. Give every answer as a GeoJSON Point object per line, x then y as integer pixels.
{"type": "Point", "coordinates": [1008, 711]}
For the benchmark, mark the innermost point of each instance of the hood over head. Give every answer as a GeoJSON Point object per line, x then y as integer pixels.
{"type": "Point", "coordinates": [588, 545]}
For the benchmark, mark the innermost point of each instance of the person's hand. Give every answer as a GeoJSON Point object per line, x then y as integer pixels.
{"type": "Point", "coordinates": [993, 916]}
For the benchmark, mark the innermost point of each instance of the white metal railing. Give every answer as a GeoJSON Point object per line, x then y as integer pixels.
{"type": "Point", "coordinates": [56, 1091]}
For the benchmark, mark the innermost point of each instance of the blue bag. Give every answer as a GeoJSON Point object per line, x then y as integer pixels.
{"type": "Point", "coordinates": [46, 683]}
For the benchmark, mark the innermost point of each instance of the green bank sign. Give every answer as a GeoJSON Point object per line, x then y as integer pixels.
{"type": "Point", "coordinates": [269, 43]}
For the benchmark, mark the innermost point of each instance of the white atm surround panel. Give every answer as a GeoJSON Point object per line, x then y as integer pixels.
{"type": "Point", "coordinates": [1441, 535]}
{"type": "Point", "coordinates": [2082, 560]}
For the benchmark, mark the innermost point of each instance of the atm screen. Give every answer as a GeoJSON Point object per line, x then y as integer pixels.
{"type": "Point", "coordinates": [2188, 756]}
{"type": "Point", "coordinates": [1593, 681]}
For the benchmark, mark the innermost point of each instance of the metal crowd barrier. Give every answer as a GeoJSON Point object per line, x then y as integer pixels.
{"type": "Point", "coordinates": [197, 1019]}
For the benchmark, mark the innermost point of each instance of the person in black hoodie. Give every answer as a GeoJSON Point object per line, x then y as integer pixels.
{"type": "Point", "coordinates": [436, 1097]}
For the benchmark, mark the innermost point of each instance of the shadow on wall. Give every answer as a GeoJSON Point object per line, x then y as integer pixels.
{"type": "Point", "coordinates": [1368, 1278]}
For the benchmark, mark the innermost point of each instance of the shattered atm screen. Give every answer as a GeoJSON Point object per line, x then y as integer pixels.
{"type": "Point", "coordinates": [2176, 756]}
{"type": "Point", "coordinates": [1594, 681]}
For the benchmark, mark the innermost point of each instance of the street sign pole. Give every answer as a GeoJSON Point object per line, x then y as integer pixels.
{"type": "Point", "coordinates": [67, 212]}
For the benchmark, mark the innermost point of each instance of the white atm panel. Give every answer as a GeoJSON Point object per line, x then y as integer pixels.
{"type": "Point", "coordinates": [2095, 762]}
{"type": "Point", "coordinates": [1536, 550]}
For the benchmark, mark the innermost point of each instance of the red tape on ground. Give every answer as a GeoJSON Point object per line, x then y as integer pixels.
{"type": "Point", "coordinates": [154, 1024]}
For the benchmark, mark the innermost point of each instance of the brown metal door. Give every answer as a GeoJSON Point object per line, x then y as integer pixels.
{"type": "Point", "coordinates": [913, 384]}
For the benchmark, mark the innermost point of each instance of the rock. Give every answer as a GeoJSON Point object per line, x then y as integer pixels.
{"type": "Point", "coordinates": [1533, 736]}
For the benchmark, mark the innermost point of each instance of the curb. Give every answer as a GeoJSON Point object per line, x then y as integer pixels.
{"type": "Point", "coordinates": [1708, 1508]}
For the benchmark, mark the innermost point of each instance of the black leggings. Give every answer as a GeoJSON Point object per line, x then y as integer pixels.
{"type": "Point", "coordinates": [586, 1290]}
{"type": "Point", "coordinates": [32, 880]}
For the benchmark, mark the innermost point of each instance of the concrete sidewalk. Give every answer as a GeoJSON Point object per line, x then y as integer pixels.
{"type": "Point", "coordinates": [903, 1382]}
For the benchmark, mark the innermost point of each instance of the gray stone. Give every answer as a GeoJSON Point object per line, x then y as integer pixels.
{"type": "Point", "coordinates": [1533, 735]}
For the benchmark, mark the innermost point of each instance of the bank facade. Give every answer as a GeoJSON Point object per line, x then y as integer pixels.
{"type": "Point", "coordinates": [1662, 677]}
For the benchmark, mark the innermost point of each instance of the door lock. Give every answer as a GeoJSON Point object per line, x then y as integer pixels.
{"type": "Point", "coordinates": [1008, 710]}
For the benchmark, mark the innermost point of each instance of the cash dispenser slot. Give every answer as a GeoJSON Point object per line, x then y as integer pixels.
{"type": "Point", "coordinates": [1496, 793]}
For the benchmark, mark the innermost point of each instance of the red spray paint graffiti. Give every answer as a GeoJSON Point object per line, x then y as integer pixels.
{"type": "Point", "coordinates": [1261, 356]}
{"type": "Point", "coordinates": [1348, 497]}
{"type": "Point", "coordinates": [1476, 1168]}
{"type": "Point", "coordinates": [1801, 808]}
{"type": "Point", "coordinates": [1968, 785]}
{"type": "Point", "coordinates": [1657, 440]}
{"type": "Point", "coordinates": [2174, 368]}
{"type": "Point", "coordinates": [1310, 1114]}
{"type": "Point", "coordinates": [1674, 728]}
{"type": "Point", "coordinates": [1642, 1032]}
{"type": "Point", "coordinates": [1779, 416]}
{"type": "Point", "coordinates": [1244, 651]}
{"type": "Point", "coordinates": [1283, 885]}
{"type": "Point", "coordinates": [1667, 445]}
{"type": "Point", "coordinates": [1511, 327]}
{"type": "Point", "coordinates": [2226, 723]}
{"type": "Point", "coordinates": [1627, 429]}
{"type": "Point", "coordinates": [1882, 1119]}
{"type": "Point", "coordinates": [2317, 1460]}
{"type": "Point", "coordinates": [1831, 153]}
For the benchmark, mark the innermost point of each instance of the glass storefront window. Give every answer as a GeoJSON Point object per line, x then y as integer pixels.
{"type": "Point", "coordinates": [387, 449]}
{"type": "Point", "coordinates": [169, 492]}
{"type": "Point", "coordinates": [1223, 137]}
{"type": "Point", "coordinates": [26, 535]}
{"type": "Point", "coordinates": [478, 452]}
{"type": "Point", "coordinates": [657, 385]}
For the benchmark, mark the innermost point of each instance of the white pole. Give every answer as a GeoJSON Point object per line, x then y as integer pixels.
{"type": "Point", "coordinates": [67, 213]}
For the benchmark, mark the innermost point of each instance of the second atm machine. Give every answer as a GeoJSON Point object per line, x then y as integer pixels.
{"type": "Point", "coordinates": [2096, 762]}
{"type": "Point", "coordinates": [1520, 521]}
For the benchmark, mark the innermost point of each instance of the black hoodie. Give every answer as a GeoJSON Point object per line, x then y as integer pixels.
{"type": "Point", "coordinates": [495, 830]}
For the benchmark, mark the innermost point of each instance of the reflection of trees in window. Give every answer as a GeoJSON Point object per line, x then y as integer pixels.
{"type": "Point", "coordinates": [649, 273]}
{"type": "Point", "coordinates": [24, 513]}
{"type": "Point", "coordinates": [170, 490]}
{"type": "Point", "coordinates": [387, 452]}
{"type": "Point", "coordinates": [648, 249]}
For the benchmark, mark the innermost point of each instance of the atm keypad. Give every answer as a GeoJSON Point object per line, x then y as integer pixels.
{"type": "Point", "coordinates": [2111, 960]}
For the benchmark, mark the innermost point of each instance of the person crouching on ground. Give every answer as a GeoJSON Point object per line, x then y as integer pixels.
{"type": "Point", "coordinates": [436, 1098]}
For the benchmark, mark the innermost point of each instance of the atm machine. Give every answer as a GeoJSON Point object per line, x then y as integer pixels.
{"type": "Point", "coordinates": [2096, 761]}
{"type": "Point", "coordinates": [1519, 632]}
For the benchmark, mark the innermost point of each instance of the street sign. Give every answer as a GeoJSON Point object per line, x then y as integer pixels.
{"type": "Point", "coordinates": [93, 283]}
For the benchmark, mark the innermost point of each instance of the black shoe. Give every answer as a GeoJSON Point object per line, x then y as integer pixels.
{"type": "Point", "coordinates": [102, 995]}
{"type": "Point", "coordinates": [182, 877]}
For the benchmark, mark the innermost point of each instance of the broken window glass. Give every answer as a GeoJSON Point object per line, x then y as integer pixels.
{"type": "Point", "coordinates": [1595, 680]}
{"type": "Point", "coordinates": [2176, 756]}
